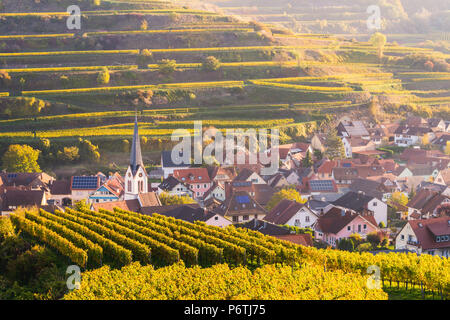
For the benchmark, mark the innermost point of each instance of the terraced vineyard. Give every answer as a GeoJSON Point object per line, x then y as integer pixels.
{"type": "Point", "coordinates": [155, 55]}
{"type": "Point", "coordinates": [91, 239]}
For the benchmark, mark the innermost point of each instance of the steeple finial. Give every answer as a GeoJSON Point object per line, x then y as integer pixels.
{"type": "Point", "coordinates": [136, 154]}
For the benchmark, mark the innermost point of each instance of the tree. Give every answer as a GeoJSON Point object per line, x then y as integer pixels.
{"type": "Point", "coordinates": [318, 154]}
{"type": "Point", "coordinates": [447, 148]}
{"type": "Point", "coordinates": [69, 154]}
{"type": "Point", "coordinates": [5, 78]}
{"type": "Point", "coordinates": [346, 244]}
{"type": "Point", "coordinates": [88, 151]}
{"type": "Point", "coordinates": [145, 58]}
{"type": "Point", "coordinates": [307, 161]}
{"type": "Point", "coordinates": [334, 145]}
{"type": "Point", "coordinates": [364, 247]}
{"type": "Point", "coordinates": [211, 63]}
{"type": "Point", "coordinates": [290, 194]}
{"type": "Point", "coordinates": [398, 198]}
{"type": "Point", "coordinates": [425, 139]}
{"type": "Point", "coordinates": [167, 67]}
{"type": "Point", "coordinates": [374, 109]}
{"type": "Point", "coordinates": [167, 200]}
{"type": "Point", "coordinates": [356, 239]}
{"type": "Point", "coordinates": [374, 238]}
{"type": "Point", "coordinates": [144, 25]}
{"type": "Point", "coordinates": [21, 158]}
{"type": "Point", "coordinates": [378, 40]}
{"type": "Point", "coordinates": [103, 76]}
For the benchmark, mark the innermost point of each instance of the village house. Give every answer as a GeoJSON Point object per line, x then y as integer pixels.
{"type": "Point", "coordinates": [144, 200]}
{"type": "Point", "coordinates": [197, 180]}
{"type": "Point", "coordinates": [113, 189]}
{"type": "Point", "coordinates": [168, 166]}
{"type": "Point", "coordinates": [241, 207]}
{"type": "Point", "coordinates": [379, 190]}
{"type": "Point", "coordinates": [276, 231]}
{"type": "Point", "coordinates": [190, 213]}
{"type": "Point", "coordinates": [425, 203]}
{"type": "Point", "coordinates": [60, 193]}
{"type": "Point", "coordinates": [361, 203]}
{"type": "Point", "coordinates": [353, 129]}
{"type": "Point", "coordinates": [25, 181]}
{"type": "Point", "coordinates": [81, 187]}
{"type": "Point", "coordinates": [247, 175]}
{"type": "Point", "coordinates": [339, 223]}
{"type": "Point", "coordinates": [318, 142]}
{"type": "Point", "coordinates": [406, 136]}
{"type": "Point", "coordinates": [357, 144]}
{"type": "Point", "coordinates": [429, 236]}
{"type": "Point", "coordinates": [292, 213]}
{"type": "Point", "coordinates": [11, 199]}
{"type": "Point", "coordinates": [173, 187]}
{"type": "Point", "coordinates": [217, 191]}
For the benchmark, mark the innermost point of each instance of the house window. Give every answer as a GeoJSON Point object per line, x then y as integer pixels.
{"type": "Point", "coordinates": [235, 219]}
{"type": "Point", "coordinates": [245, 218]}
{"type": "Point", "coordinates": [307, 219]}
{"type": "Point", "coordinates": [365, 226]}
{"type": "Point", "coordinates": [375, 203]}
{"type": "Point", "coordinates": [129, 186]}
{"type": "Point", "coordinates": [359, 228]}
{"type": "Point", "coordinates": [349, 228]}
{"type": "Point", "coordinates": [297, 222]}
{"type": "Point", "coordinates": [216, 218]}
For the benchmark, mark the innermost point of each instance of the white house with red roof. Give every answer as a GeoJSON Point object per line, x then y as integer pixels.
{"type": "Point", "coordinates": [197, 180]}
{"type": "Point", "coordinates": [426, 236]}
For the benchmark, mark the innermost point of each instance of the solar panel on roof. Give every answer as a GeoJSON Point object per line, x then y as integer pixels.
{"type": "Point", "coordinates": [346, 165]}
{"type": "Point", "coordinates": [242, 199]}
{"type": "Point", "coordinates": [84, 183]}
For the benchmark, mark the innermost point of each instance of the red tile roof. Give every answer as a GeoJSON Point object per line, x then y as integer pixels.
{"type": "Point", "coordinates": [192, 175]}
{"type": "Point", "coordinates": [427, 230]}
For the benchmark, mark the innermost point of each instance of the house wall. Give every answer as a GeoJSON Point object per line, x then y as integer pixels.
{"type": "Point", "coordinates": [199, 189]}
{"type": "Point", "coordinates": [316, 144]}
{"type": "Point", "coordinates": [293, 178]}
{"type": "Point", "coordinates": [356, 226]}
{"type": "Point", "coordinates": [304, 218]}
{"type": "Point", "coordinates": [406, 140]}
{"type": "Point", "coordinates": [256, 179]}
{"type": "Point", "coordinates": [401, 240]}
{"type": "Point", "coordinates": [240, 219]}
{"type": "Point", "coordinates": [218, 221]}
{"type": "Point", "coordinates": [78, 195]}
{"type": "Point", "coordinates": [379, 209]}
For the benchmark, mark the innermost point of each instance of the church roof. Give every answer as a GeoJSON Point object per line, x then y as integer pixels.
{"type": "Point", "coordinates": [136, 153]}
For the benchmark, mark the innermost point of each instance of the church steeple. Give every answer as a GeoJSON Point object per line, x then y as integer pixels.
{"type": "Point", "coordinates": [136, 154]}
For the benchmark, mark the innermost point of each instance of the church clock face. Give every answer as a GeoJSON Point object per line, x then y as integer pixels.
{"type": "Point", "coordinates": [129, 174]}
{"type": "Point", "coordinates": [140, 175]}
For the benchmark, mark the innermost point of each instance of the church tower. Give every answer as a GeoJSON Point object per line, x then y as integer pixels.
{"type": "Point", "coordinates": [136, 180]}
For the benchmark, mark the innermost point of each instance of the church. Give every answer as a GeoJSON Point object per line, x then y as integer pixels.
{"type": "Point", "coordinates": [136, 180]}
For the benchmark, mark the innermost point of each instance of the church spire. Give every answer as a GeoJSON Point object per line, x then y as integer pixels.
{"type": "Point", "coordinates": [136, 154]}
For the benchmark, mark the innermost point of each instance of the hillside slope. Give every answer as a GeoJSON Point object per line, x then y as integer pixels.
{"type": "Point", "coordinates": [152, 56]}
